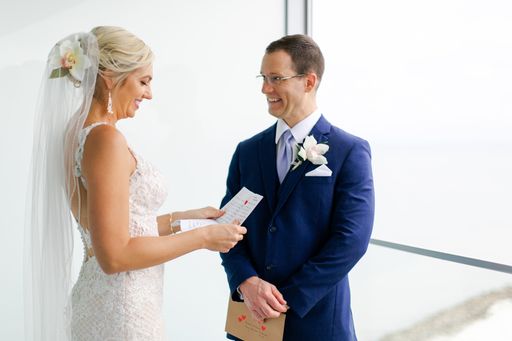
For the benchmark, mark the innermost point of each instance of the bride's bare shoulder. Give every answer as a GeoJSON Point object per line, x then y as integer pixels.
{"type": "Point", "coordinates": [107, 135]}
{"type": "Point", "coordinates": [105, 147]}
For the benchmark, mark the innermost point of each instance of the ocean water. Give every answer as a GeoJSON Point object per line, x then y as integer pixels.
{"type": "Point", "coordinates": [453, 198]}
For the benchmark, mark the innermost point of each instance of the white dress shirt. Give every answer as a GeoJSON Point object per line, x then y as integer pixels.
{"type": "Point", "coordinates": [299, 131]}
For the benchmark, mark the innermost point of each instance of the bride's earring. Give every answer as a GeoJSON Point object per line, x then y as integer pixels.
{"type": "Point", "coordinates": [109, 104]}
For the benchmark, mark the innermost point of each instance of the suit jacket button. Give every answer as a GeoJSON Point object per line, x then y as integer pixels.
{"type": "Point", "coordinates": [273, 229]}
{"type": "Point", "coordinates": [269, 267]}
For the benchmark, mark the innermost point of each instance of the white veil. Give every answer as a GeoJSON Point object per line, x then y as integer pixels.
{"type": "Point", "coordinates": [63, 104]}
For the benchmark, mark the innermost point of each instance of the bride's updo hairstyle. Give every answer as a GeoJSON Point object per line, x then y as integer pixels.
{"type": "Point", "coordinates": [120, 52]}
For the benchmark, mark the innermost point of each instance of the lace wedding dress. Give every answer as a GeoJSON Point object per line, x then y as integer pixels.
{"type": "Point", "coordinates": [127, 305]}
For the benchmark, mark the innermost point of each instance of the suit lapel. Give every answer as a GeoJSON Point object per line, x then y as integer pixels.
{"type": "Point", "coordinates": [267, 156]}
{"type": "Point", "coordinates": [321, 133]}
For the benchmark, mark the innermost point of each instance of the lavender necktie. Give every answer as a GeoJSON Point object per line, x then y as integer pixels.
{"type": "Point", "coordinates": [284, 154]}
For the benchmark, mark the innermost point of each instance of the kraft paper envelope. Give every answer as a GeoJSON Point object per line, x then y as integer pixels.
{"type": "Point", "coordinates": [240, 324]}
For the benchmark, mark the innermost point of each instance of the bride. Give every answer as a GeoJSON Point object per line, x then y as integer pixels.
{"type": "Point", "coordinates": [82, 164]}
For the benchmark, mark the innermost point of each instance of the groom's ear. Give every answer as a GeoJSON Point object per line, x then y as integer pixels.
{"type": "Point", "coordinates": [311, 81]}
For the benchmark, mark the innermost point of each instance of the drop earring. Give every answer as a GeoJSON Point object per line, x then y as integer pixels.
{"type": "Point", "coordinates": [109, 104]}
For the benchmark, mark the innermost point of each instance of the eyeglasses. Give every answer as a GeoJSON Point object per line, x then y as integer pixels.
{"type": "Point", "coordinates": [276, 80]}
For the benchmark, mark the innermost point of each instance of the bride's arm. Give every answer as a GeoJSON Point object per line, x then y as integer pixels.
{"type": "Point", "coordinates": [165, 221]}
{"type": "Point", "coordinates": [107, 167]}
{"type": "Point", "coordinates": [164, 224]}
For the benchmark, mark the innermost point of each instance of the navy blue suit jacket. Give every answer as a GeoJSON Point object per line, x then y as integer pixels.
{"type": "Point", "coordinates": [307, 233]}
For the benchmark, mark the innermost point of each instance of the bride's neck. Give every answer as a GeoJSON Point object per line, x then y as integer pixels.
{"type": "Point", "coordinates": [98, 113]}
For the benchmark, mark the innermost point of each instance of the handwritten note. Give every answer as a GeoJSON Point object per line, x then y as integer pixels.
{"type": "Point", "coordinates": [238, 208]}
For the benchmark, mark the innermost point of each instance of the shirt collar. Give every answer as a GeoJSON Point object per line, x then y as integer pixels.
{"type": "Point", "coordinates": [301, 129]}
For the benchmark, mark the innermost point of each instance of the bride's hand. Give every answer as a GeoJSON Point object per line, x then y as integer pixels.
{"type": "Point", "coordinates": [203, 213]}
{"type": "Point", "coordinates": [222, 237]}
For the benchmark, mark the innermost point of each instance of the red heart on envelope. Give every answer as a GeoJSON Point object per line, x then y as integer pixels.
{"type": "Point", "coordinates": [263, 327]}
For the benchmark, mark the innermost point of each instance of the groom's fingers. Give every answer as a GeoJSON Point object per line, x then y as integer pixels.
{"type": "Point", "coordinates": [269, 312]}
{"type": "Point", "coordinates": [275, 305]}
{"type": "Point", "coordinates": [255, 311]}
{"type": "Point", "coordinates": [264, 310]}
{"type": "Point", "coordinates": [257, 316]}
{"type": "Point", "coordinates": [278, 295]}
{"type": "Point", "coordinates": [260, 299]}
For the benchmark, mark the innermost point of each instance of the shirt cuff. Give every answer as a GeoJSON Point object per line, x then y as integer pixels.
{"type": "Point", "coordinates": [239, 293]}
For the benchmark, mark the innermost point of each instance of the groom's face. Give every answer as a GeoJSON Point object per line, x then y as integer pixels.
{"type": "Point", "coordinates": [285, 98]}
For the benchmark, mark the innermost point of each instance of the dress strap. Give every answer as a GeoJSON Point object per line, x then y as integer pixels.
{"type": "Point", "coordinates": [79, 153]}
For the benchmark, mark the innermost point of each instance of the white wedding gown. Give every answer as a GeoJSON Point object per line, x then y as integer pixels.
{"type": "Point", "coordinates": [127, 305]}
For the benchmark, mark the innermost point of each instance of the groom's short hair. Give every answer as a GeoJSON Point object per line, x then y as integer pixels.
{"type": "Point", "coordinates": [304, 52]}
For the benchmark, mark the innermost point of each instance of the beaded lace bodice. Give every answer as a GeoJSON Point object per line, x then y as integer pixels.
{"type": "Point", "coordinates": [126, 305]}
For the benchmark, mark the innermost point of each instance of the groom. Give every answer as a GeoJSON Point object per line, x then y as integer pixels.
{"type": "Point", "coordinates": [316, 219]}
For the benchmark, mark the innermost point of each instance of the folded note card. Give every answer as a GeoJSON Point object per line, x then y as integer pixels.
{"type": "Point", "coordinates": [238, 208]}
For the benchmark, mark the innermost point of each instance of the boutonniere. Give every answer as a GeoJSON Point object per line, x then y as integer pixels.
{"type": "Point", "coordinates": [311, 151]}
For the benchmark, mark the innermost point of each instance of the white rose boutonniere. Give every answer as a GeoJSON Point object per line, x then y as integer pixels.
{"type": "Point", "coordinates": [311, 151]}
{"type": "Point", "coordinates": [69, 60]}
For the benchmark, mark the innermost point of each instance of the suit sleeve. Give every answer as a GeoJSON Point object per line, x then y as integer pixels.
{"type": "Point", "coordinates": [236, 262]}
{"type": "Point", "coordinates": [350, 229]}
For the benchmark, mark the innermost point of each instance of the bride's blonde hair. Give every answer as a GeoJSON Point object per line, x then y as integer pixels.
{"type": "Point", "coordinates": [120, 52]}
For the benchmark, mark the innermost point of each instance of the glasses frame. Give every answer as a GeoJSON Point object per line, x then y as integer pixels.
{"type": "Point", "coordinates": [276, 80]}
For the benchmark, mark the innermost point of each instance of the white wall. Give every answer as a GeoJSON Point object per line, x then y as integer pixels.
{"type": "Point", "coordinates": [205, 100]}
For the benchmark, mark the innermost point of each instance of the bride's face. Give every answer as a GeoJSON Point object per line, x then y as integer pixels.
{"type": "Point", "coordinates": [135, 88]}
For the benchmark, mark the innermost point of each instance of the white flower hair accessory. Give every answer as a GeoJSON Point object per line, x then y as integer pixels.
{"type": "Point", "coordinates": [68, 59]}
{"type": "Point", "coordinates": [311, 151]}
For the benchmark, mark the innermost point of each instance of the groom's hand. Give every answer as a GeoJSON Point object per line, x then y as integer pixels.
{"type": "Point", "coordinates": [262, 298]}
